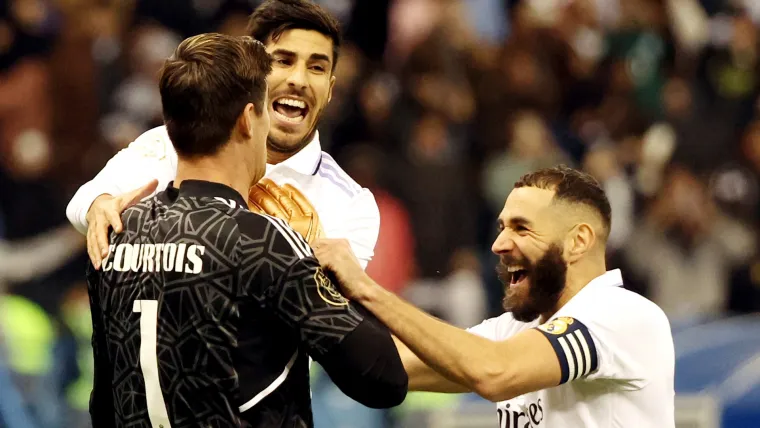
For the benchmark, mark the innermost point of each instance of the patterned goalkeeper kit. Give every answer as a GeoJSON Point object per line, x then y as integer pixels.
{"type": "Point", "coordinates": [205, 315]}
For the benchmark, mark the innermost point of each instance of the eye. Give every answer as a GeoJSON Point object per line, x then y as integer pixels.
{"type": "Point", "coordinates": [520, 228]}
{"type": "Point", "coordinates": [282, 61]}
{"type": "Point", "coordinates": [318, 68]}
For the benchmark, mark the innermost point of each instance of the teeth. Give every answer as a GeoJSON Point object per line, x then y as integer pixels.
{"type": "Point", "coordinates": [294, 120]}
{"type": "Point", "coordinates": [291, 102]}
{"type": "Point", "coordinates": [513, 269]}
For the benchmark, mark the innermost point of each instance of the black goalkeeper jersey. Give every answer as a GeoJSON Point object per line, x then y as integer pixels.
{"type": "Point", "coordinates": [205, 315]}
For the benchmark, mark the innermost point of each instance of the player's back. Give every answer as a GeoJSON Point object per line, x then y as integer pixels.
{"type": "Point", "coordinates": [184, 322]}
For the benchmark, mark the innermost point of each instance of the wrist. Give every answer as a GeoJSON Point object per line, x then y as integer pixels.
{"type": "Point", "coordinates": [101, 197]}
{"type": "Point", "coordinates": [367, 291]}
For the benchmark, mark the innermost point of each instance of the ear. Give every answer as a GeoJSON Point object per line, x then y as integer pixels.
{"type": "Point", "coordinates": [245, 122]}
{"type": "Point", "coordinates": [581, 240]}
{"type": "Point", "coordinates": [329, 91]}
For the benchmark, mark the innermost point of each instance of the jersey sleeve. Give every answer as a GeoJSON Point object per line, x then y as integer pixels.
{"type": "Point", "coordinates": [150, 156]}
{"type": "Point", "coordinates": [626, 339]}
{"type": "Point", "coordinates": [574, 346]}
{"type": "Point", "coordinates": [307, 299]}
{"type": "Point", "coordinates": [287, 278]}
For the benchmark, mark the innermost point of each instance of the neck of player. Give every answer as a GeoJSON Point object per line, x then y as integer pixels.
{"type": "Point", "coordinates": [227, 167]}
{"type": "Point", "coordinates": [579, 275]}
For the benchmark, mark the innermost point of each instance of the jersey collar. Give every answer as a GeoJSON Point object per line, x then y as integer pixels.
{"type": "Point", "coordinates": [208, 189]}
{"type": "Point", "coordinates": [611, 278]}
{"type": "Point", "coordinates": [306, 161]}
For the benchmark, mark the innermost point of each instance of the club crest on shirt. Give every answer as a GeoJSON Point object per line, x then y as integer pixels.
{"type": "Point", "coordinates": [557, 326]}
{"type": "Point", "coordinates": [327, 290]}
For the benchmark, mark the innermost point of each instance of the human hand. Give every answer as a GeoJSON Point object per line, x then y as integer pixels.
{"type": "Point", "coordinates": [106, 211]}
{"type": "Point", "coordinates": [286, 203]}
{"type": "Point", "coordinates": [336, 256]}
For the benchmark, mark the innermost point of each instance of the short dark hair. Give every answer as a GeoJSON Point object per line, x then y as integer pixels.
{"type": "Point", "coordinates": [273, 17]}
{"type": "Point", "coordinates": [571, 185]}
{"type": "Point", "coordinates": [206, 85]}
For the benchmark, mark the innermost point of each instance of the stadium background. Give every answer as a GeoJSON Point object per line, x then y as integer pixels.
{"type": "Point", "coordinates": [439, 106]}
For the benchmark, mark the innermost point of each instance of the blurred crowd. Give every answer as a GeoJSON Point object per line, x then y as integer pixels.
{"type": "Point", "coordinates": [439, 106]}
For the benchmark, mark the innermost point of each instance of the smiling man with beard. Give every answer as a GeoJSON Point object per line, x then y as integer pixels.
{"type": "Point", "coordinates": [575, 348]}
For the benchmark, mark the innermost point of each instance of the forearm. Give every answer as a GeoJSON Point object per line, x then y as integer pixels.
{"type": "Point", "coordinates": [422, 377]}
{"type": "Point", "coordinates": [148, 158]}
{"type": "Point", "coordinates": [461, 357]}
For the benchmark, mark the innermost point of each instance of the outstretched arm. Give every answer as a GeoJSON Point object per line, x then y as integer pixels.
{"type": "Point", "coordinates": [421, 376]}
{"type": "Point", "coordinates": [495, 370]}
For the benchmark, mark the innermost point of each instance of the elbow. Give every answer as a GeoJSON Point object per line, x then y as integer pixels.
{"type": "Point", "coordinates": [388, 394]}
{"type": "Point", "coordinates": [384, 392]}
{"type": "Point", "coordinates": [494, 385]}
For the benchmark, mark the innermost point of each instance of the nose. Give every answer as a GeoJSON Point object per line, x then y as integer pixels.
{"type": "Point", "coordinates": [297, 79]}
{"type": "Point", "coordinates": [503, 243]}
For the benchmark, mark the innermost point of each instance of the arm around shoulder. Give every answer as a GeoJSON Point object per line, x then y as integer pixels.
{"type": "Point", "coordinates": [150, 156]}
{"type": "Point", "coordinates": [355, 349]}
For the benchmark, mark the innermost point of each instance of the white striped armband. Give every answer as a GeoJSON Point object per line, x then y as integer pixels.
{"type": "Point", "coordinates": [574, 346]}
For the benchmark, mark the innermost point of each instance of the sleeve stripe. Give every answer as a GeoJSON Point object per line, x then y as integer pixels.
{"type": "Point", "coordinates": [296, 248]}
{"type": "Point", "coordinates": [274, 385]}
{"type": "Point", "coordinates": [297, 238]}
{"type": "Point", "coordinates": [577, 354]}
{"type": "Point", "coordinates": [569, 359]}
{"type": "Point", "coordinates": [586, 351]}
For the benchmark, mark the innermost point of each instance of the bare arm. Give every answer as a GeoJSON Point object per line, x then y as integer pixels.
{"type": "Point", "coordinates": [421, 376]}
{"type": "Point", "coordinates": [496, 371]}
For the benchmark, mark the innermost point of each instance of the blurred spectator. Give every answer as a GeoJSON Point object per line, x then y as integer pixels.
{"type": "Point", "coordinates": [431, 183]}
{"type": "Point", "coordinates": [393, 263]}
{"type": "Point", "coordinates": [530, 146]}
{"type": "Point", "coordinates": [685, 249]}
{"type": "Point", "coordinates": [136, 103]}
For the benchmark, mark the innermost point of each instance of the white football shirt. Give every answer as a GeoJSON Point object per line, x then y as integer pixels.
{"type": "Point", "coordinates": [616, 353]}
{"type": "Point", "coordinates": [345, 209]}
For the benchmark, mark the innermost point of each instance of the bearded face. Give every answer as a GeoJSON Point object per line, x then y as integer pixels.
{"type": "Point", "coordinates": [532, 287]}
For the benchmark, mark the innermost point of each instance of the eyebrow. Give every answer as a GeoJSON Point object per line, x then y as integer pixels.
{"type": "Point", "coordinates": [516, 221]}
{"type": "Point", "coordinates": [312, 57]}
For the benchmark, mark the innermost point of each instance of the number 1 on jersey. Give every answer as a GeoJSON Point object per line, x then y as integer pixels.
{"type": "Point", "coordinates": [148, 310]}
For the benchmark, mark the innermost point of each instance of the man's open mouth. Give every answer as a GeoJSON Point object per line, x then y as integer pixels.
{"type": "Point", "coordinates": [517, 275]}
{"type": "Point", "coordinates": [290, 110]}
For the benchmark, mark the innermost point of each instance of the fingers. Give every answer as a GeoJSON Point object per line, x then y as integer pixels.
{"type": "Point", "coordinates": [114, 220]}
{"type": "Point", "coordinates": [282, 197]}
{"type": "Point", "coordinates": [92, 246]}
{"type": "Point", "coordinates": [262, 199]}
{"type": "Point", "coordinates": [97, 238]}
{"type": "Point", "coordinates": [135, 196]}
{"type": "Point", "coordinates": [100, 234]}
{"type": "Point", "coordinates": [304, 205]}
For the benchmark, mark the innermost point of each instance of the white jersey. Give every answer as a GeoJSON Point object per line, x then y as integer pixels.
{"type": "Point", "coordinates": [616, 352]}
{"type": "Point", "coordinates": [345, 209]}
